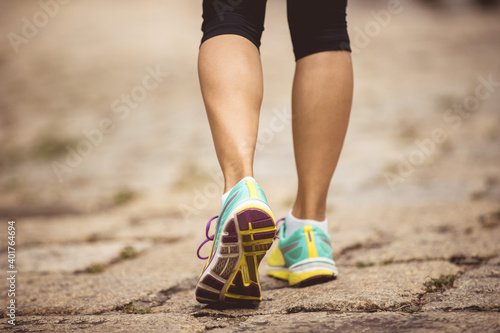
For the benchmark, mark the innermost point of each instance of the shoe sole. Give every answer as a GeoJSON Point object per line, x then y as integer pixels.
{"type": "Point", "coordinates": [307, 272]}
{"type": "Point", "coordinates": [232, 276]}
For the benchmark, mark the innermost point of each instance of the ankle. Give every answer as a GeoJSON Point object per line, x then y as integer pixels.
{"type": "Point", "coordinates": [293, 223]}
{"type": "Point", "coordinates": [315, 213]}
{"type": "Point", "coordinates": [233, 178]}
{"type": "Point", "coordinates": [227, 191]}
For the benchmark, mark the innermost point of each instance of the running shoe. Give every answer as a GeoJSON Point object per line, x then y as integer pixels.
{"type": "Point", "coordinates": [302, 258]}
{"type": "Point", "coordinates": [244, 231]}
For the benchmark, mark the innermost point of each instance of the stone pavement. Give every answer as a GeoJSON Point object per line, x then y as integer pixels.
{"type": "Point", "coordinates": [388, 257]}
{"type": "Point", "coordinates": [111, 247]}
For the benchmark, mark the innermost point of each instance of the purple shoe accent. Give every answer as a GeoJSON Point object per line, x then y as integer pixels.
{"type": "Point", "coordinates": [208, 280]}
{"type": "Point", "coordinates": [243, 220]}
{"type": "Point", "coordinates": [216, 228]}
{"type": "Point", "coordinates": [264, 235]}
{"type": "Point", "coordinates": [212, 282]}
{"type": "Point", "coordinates": [278, 223]}
{"type": "Point", "coordinates": [263, 223]}
{"type": "Point", "coordinates": [232, 236]}
{"type": "Point", "coordinates": [238, 279]}
{"type": "Point", "coordinates": [240, 289]}
{"type": "Point", "coordinates": [229, 239]}
{"type": "Point", "coordinates": [209, 238]}
{"type": "Point", "coordinates": [207, 294]}
{"type": "Point", "coordinates": [199, 248]}
{"type": "Point", "coordinates": [231, 228]}
{"type": "Point", "coordinates": [218, 285]}
{"type": "Point", "coordinates": [228, 267]}
{"type": "Point", "coordinates": [207, 228]}
{"type": "Point", "coordinates": [257, 214]}
{"type": "Point", "coordinates": [247, 303]}
{"type": "Point", "coordinates": [256, 217]}
{"type": "Point", "coordinates": [224, 210]}
{"type": "Point", "coordinates": [251, 290]}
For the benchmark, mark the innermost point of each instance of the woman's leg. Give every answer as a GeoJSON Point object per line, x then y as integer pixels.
{"type": "Point", "coordinates": [231, 83]}
{"type": "Point", "coordinates": [321, 98]}
{"type": "Point", "coordinates": [321, 104]}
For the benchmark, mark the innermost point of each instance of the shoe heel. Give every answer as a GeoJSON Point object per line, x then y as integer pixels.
{"type": "Point", "coordinates": [257, 228]}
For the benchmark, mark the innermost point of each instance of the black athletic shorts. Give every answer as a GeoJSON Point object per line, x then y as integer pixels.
{"type": "Point", "coordinates": [315, 25]}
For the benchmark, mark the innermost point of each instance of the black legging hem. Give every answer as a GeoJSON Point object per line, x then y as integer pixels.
{"type": "Point", "coordinates": [315, 25]}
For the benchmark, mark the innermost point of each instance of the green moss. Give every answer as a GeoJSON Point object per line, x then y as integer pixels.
{"type": "Point", "coordinates": [123, 196]}
{"type": "Point", "coordinates": [49, 148]}
{"type": "Point", "coordinates": [134, 309]}
{"type": "Point", "coordinates": [96, 268]}
{"type": "Point", "coordinates": [128, 252]}
{"type": "Point", "coordinates": [387, 261]}
{"type": "Point", "coordinates": [362, 264]}
{"type": "Point", "coordinates": [442, 283]}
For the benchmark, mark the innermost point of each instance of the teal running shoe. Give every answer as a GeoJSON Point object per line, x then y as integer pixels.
{"type": "Point", "coordinates": [245, 230]}
{"type": "Point", "coordinates": [302, 258]}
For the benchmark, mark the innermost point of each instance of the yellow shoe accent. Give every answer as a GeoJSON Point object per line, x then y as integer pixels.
{"type": "Point", "coordinates": [243, 268]}
{"type": "Point", "coordinates": [252, 256]}
{"type": "Point", "coordinates": [252, 188]}
{"type": "Point", "coordinates": [311, 244]}
{"type": "Point", "coordinates": [310, 270]}
{"type": "Point", "coordinates": [245, 231]}
{"type": "Point", "coordinates": [282, 275]}
{"type": "Point", "coordinates": [296, 278]}
{"type": "Point", "coordinates": [276, 264]}
{"type": "Point", "coordinates": [276, 258]}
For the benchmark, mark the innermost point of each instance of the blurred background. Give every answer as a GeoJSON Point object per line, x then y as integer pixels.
{"type": "Point", "coordinates": [101, 113]}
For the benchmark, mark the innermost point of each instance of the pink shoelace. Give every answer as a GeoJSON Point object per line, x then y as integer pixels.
{"type": "Point", "coordinates": [209, 238]}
